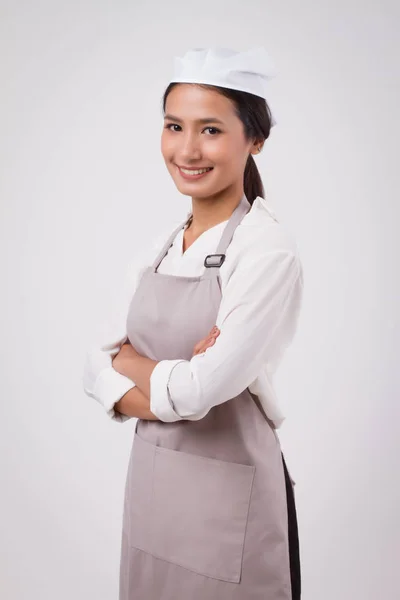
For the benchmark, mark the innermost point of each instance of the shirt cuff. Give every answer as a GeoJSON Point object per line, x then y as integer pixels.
{"type": "Point", "coordinates": [117, 416]}
{"type": "Point", "coordinates": [109, 387]}
{"type": "Point", "coordinates": [161, 404]}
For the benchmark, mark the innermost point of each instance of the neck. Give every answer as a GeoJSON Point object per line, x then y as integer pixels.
{"type": "Point", "coordinates": [210, 211]}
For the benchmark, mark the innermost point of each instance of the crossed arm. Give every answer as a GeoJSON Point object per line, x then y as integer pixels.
{"type": "Point", "coordinates": [136, 402]}
{"type": "Point", "coordinates": [128, 362]}
{"type": "Point", "coordinates": [257, 316]}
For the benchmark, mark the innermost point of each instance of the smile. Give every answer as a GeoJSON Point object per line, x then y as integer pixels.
{"type": "Point", "coordinates": [194, 173]}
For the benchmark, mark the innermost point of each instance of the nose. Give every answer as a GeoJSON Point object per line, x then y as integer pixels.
{"type": "Point", "coordinates": [190, 147]}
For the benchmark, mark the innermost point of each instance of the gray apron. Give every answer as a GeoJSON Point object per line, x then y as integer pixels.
{"type": "Point", "coordinates": [205, 509]}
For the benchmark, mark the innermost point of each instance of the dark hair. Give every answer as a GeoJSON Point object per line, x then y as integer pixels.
{"type": "Point", "coordinates": [255, 115]}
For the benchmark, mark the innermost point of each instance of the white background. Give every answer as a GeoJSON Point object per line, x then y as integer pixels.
{"type": "Point", "coordinates": [83, 185]}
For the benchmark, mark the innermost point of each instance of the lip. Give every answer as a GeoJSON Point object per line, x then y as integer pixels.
{"type": "Point", "coordinates": [193, 177]}
{"type": "Point", "coordinates": [193, 168]}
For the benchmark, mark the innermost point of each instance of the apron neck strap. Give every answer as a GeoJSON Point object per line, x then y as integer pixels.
{"type": "Point", "coordinates": [212, 262]}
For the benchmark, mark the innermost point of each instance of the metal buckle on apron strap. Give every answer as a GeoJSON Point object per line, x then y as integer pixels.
{"type": "Point", "coordinates": [213, 260]}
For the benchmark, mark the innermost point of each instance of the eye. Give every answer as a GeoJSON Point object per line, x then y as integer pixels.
{"type": "Point", "coordinates": [215, 129]}
{"type": "Point", "coordinates": [171, 125]}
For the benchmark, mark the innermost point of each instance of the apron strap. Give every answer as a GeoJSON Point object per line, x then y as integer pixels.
{"type": "Point", "coordinates": [212, 262]}
{"type": "Point", "coordinates": [168, 244]}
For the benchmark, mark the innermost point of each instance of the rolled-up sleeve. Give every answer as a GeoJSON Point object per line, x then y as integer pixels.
{"type": "Point", "coordinates": [103, 383]}
{"type": "Point", "coordinates": [100, 380]}
{"type": "Point", "coordinates": [257, 320]}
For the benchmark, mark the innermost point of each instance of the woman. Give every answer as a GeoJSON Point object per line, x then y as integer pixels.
{"type": "Point", "coordinates": [209, 508]}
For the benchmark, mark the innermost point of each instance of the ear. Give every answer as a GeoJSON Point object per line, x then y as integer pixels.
{"type": "Point", "coordinates": [257, 146]}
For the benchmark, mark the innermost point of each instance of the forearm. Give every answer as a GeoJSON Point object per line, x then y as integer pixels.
{"type": "Point", "coordinates": [139, 368]}
{"type": "Point", "coordinates": [135, 404]}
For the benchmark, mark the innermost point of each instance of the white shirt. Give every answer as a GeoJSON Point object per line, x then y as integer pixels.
{"type": "Point", "coordinates": [262, 290]}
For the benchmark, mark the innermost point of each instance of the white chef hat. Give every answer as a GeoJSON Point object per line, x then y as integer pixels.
{"type": "Point", "coordinates": [249, 71]}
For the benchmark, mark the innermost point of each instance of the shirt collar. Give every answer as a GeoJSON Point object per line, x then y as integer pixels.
{"type": "Point", "coordinates": [264, 204]}
{"type": "Point", "coordinates": [259, 202]}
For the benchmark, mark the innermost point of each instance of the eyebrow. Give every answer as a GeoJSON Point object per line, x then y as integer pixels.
{"type": "Point", "coordinates": [204, 120]}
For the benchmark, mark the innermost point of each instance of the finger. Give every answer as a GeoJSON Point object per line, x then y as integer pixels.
{"type": "Point", "coordinates": [200, 347]}
{"type": "Point", "coordinates": [213, 334]}
{"type": "Point", "coordinates": [204, 341]}
{"type": "Point", "coordinates": [202, 344]}
{"type": "Point", "coordinates": [209, 343]}
{"type": "Point", "coordinates": [212, 337]}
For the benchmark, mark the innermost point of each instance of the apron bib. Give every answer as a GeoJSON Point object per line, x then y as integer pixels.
{"type": "Point", "coordinates": [206, 506]}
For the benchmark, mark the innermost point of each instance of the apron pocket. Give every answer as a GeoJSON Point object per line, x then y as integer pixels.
{"type": "Point", "coordinates": [189, 510]}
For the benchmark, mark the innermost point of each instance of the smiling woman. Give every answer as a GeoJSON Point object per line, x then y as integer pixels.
{"type": "Point", "coordinates": [209, 506]}
{"type": "Point", "coordinates": [207, 146]}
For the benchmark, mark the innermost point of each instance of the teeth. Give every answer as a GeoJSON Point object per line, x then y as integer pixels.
{"type": "Point", "coordinates": [195, 172]}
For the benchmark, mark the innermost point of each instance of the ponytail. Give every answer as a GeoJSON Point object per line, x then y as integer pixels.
{"type": "Point", "coordinates": [252, 182]}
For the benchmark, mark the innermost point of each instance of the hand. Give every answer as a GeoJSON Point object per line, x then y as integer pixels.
{"type": "Point", "coordinates": [121, 361]}
{"type": "Point", "coordinates": [207, 341]}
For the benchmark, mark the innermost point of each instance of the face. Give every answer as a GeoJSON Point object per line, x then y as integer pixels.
{"type": "Point", "coordinates": [201, 130]}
